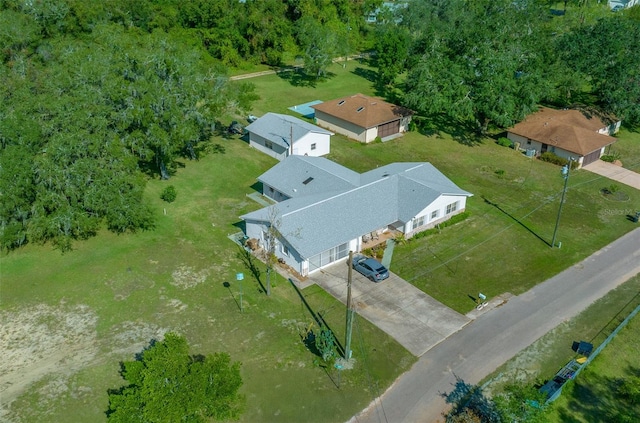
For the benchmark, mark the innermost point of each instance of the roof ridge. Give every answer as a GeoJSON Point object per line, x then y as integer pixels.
{"type": "Point", "coordinates": [345, 192]}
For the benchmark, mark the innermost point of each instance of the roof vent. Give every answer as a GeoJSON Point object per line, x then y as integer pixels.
{"type": "Point", "coordinates": [360, 109]}
{"type": "Point", "coordinates": [306, 181]}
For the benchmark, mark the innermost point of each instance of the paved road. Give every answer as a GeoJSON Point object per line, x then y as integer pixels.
{"type": "Point", "coordinates": [495, 337]}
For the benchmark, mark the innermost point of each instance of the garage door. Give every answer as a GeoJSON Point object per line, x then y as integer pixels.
{"type": "Point", "coordinates": [591, 157]}
{"type": "Point", "coordinates": [390, 128]}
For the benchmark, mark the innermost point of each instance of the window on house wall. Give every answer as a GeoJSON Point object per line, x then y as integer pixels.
{"type": "Point", "coordinates": [528, 142]}
{"type": "Point", "coordinates": [313, 146]}
{"type": "Point", "coordinates": [418, 221]}
{"type": "Point", "coordinates": [285, 250]}
{"type": "Point", "coordinates": [452, 207]}
{"type": "Point", "coordinates": [434, 214]}
{"type": "Point", "coordinates": [268, 144]}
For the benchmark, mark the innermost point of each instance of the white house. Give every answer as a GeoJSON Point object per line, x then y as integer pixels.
{"type": "Point", "coordinates": [325, 210]}
{"type": "Point", "coordinates": [282, 135]}
{"type": "Point", "coordinates": [566, 133]}
{"type": "Point", "coordinates": [363, 118]}
{"type": "Point", "coordinates": [622, 4]}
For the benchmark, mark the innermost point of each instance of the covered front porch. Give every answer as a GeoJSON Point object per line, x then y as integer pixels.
{"type": "Point", "coordinates": [378, 237]}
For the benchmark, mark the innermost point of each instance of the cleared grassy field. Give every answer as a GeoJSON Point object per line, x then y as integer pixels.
{"type": "Point", "coordinates": [69, 319]}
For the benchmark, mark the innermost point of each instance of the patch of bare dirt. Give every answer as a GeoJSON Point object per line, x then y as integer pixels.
{"type": "Point", "coordinates": [43, 346]}
{"type": "Point", "coordinates": [41, 339]}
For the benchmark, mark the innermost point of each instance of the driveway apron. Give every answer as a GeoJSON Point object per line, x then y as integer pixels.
{"type": "Point", "coordinates": [617, 173]}
{"type": "Point", "coordinates": [411, 317]}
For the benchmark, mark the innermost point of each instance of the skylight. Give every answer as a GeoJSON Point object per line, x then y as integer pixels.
{"type": "Point", "coordinates": [341, 102]}
{"type": "Point", "coordinates": [360, 109]}
{"type": "Point", "coordinates": [306, 181]}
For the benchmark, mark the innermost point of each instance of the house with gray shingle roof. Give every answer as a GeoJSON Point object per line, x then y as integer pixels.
{"type": "Point", "coordinates": [325, 210]}
{"type": "Point", "coordinates": [281, 135]}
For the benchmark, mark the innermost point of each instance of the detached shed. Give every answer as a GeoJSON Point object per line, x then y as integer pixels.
{"type": "Point", "coordinates": [281, 135]}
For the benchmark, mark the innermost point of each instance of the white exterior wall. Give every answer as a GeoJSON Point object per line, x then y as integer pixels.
{"type": "Point", "coordinates": [302, 146]}
{"type": "Point", "coordinates": [525, 143]}
{"type": "Point", "coordinates": [340, 126]}
{"type": "Point", "coordinates": [404, 124]}
{"type": "Point", "coordinates": [550, 148]}
{"type": "Point", "coordinates": [371, 134]}
{"type": "Point", "coordinates": [278, 152]}
{"type": "Point", "coordinates": [440, 205]}
{"type": "Point", "coordinates": [611, 129]}
{"type": "Point", "coordinates": [293, 259]}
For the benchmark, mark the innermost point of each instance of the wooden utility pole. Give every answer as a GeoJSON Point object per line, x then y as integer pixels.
{"type": "Point", "coordinates": [347, 347]}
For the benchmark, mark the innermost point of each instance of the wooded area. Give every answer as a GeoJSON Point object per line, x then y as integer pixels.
{"type": "Point", "coordinates": [99, 96]}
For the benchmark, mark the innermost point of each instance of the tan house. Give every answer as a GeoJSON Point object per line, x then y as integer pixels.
{"type": "Point", "coordinates": [363, 118]}
{"type": "Point", "coordinates": [566, 133]}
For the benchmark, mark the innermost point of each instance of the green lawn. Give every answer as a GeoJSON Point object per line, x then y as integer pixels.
{"type": "Point", "coordinates": [138, 286]}
{"type": "Point", "coordinates": [134, 287]}
{"type": "Point", "coordinates": [591, 395]}
{"type": "Point", "coordinates": [279, 92]}
{"type": "Point", "coordinates": [504, 245]}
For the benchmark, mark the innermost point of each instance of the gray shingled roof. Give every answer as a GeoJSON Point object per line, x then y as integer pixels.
{"type": "Point", "coordinates": [280, 129]}
{"type": "Point", "coordinates": [289, 176]}
{"type": "Point", "coordinates": [315, 223]}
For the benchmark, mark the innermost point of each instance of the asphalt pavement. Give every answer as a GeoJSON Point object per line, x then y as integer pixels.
{"type": "Point", "coordinates": [496, 336]}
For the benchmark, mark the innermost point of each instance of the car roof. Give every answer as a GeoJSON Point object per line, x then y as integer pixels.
{"type": "Point", "coordinates": [373, 262]}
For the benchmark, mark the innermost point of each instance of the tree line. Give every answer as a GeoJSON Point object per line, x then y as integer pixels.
{"type": "Point", "coordinates": [489, 63]}
{"type": "Point", "coordinates": [98, 96]}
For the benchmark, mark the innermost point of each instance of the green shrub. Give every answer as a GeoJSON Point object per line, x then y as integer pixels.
{"type": "Point", "coordinates": [454, 219]}
{"type": "Point", "coordinates": [550, 157]}
{"type": "Point", "coordinates": [169, 194]}
{"type": "Point", "coordinates": [611, 157]}
{"type": "Point", "coordinates": [505, 142]}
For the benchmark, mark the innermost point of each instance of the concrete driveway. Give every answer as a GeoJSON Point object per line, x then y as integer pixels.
{"type": "Point", "coordinates": [617, 173]}
{"type": "Point", "coordinates": [411, 317]}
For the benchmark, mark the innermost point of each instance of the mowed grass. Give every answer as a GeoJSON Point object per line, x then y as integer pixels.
{"type": "Point", "coordinates": [593, 393]}
{"type": "Point", "coordinates": [504, 246]}
{"type": "Point", "coordinates": [172, 278]}
{"type": "Point", "coordinates": [594, 396]}
{"type": "Point", "coordinates": [279, 92]}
